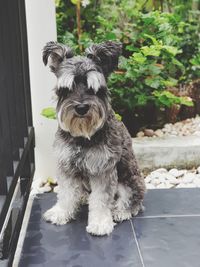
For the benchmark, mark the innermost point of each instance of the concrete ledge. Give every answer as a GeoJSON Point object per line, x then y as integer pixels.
{"type": "Point", "coordinates": [168, 152]}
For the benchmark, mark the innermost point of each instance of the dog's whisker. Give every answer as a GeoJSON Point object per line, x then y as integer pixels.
{"type": "Point", "coordinates": [77, 102]}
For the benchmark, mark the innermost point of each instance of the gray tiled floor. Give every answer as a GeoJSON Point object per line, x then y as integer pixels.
{"type": "Point", "coordinates": [167, 234]}
{"type": "Point", "coordinates": [169, 242]}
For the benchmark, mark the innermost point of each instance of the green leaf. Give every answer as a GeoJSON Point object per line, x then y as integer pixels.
{"type": "Point", "coordinates": [153, 39]}
{"type": "Point", "coordinates": [151, 50]}
{"type": "Point", "coordinates": [165, 101]}
{"type": "Point", "coordinates": [49, 113]}
{"type": "Point", "coordinates": [110, 36]}
{"type": "Point", "coordinates": [74, 2]}
{"type": "Point", "coordinates": [153, 82]}
{"type": "Point", "coordinates": [142, 99]}
{"type": "Point", "coordinates": [170, 82]}
{"type": "Point", "coordinates": [155, 69]}
{"type": "Point", "coordinates": [177, 62]}
{"type": "Point", "coordinates": [131, 48]}
{"type": "Point", "coordinates": [186, 101]}
{"type": "Point", "coordinates": [195, 60]}
{"type": "Point", "coordinates": [172, 49]}
{"type": "Point", "coordinates": [118, 117]}
{"type": "Point", "coordinates": [51, 180]}
{"type": "Point", "coordinates": [163, 98]}
{"type": "Point", "coordinates": [139, 57]}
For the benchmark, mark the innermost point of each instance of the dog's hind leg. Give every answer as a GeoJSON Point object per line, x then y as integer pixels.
{"type": "Point", "coordinates": [69, 197]}
{"type": "Point", "coordinates": [125, 206]}
{"type": "Point", "coordinates": [122, 207]}
{"type": "Point", "coordinates": [131, 186]}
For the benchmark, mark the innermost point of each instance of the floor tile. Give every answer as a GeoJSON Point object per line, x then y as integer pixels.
{"type": "Point", "coordinates": [169, 242]}
{"type": "Point", "coordinates": [71, 246]}
{"type": "Point", "coordinates": [159, 202]}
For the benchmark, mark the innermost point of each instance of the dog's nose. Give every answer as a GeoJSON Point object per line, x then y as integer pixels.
{"type": "Point", "coordinates": [82, 109]}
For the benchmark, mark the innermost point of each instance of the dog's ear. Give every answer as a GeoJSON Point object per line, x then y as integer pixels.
{"type": "Point", "coordinates": [54, 53]}
{"type": "Point", "coordinates": [106, 55]}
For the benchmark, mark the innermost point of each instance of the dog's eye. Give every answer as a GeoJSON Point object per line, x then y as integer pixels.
{"type": "Point", "coordinates": [90, 92]}
{"type": "Point", "coordinates": [62, 92]}
{"type": "Point", "coordinates": [102, 92]}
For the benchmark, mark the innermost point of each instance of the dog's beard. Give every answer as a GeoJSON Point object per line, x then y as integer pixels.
{"type": "Point", "coordinates": [84, 126]}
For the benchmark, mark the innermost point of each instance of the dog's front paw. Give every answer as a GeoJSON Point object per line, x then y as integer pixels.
{"type": "Point", "coordinates": [101, 227]}
{"type": "Point", "coordinates": [56, 215]}
{"type": "Point", "coordinates": [121, 215]}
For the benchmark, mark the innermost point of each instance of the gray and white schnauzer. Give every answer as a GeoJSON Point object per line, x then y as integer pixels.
{"type": "Point", "coordinates": [93, 149]}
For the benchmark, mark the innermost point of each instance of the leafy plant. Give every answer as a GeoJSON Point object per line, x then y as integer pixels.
{"type": "Point", "coordinates": [160, 46]}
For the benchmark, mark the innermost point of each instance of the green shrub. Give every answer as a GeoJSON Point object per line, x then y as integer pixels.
{"type": "Point", "coordinates": [160, 49]}
{"type": "Point", "coordinates": [156, 61]}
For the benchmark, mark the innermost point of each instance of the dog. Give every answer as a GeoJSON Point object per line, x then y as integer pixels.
{"type": "Point", "coordinates": [93, 149]}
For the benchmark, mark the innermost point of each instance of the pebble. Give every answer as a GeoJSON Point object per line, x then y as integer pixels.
{"type": "Point", "coordinates": [149, 132]}
{"type": "Point", "coordinates": [169, 185]}
{"type": "Point", "coordinates": [45, 189]}
{"type": "Point", "coordinates": [154, 175]}
{"type": "Point", "coordinates": [197, 133]}
{"type": "Point", "coordinates": [174, 133]}
{"type": "Point", "coordinates": [173, 180]}
{"type": "Point", "coordinates": [177, 173]}
{"type": "Point", "coordinates": [55, 189]}
{"type": "Point", "coordinates": [155, 181]}
{"type": "Point", "coordinates": [188, 178]}
{"type": "Point", "coordinates": [162, 170]}
{"type": "Point", "coordinates": [148, 179]}
{"type": "Point", "coordinates": [162, 178]}
{"type": "Point", "coordinates": [198, 170]}
{"type": "Point", "coordinates": [159, 133]}
{"type": "Point", "coordinates": [140, 134]}
{"type": "Point", "coordinates": [196, 181]}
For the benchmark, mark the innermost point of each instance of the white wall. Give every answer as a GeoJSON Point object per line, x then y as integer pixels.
{"type": "Point", "coordinates": [41, 28]}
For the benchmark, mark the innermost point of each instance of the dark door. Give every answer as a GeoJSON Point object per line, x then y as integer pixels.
{"type": "Point", "coordinates": [16, 130]}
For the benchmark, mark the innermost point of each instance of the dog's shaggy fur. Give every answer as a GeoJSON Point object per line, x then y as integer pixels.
{"type": "Point", "coordinates": [93, 149]}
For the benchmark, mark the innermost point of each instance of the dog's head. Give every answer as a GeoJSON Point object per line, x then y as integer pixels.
{"type": "Point", "coordinates": [82, 92]}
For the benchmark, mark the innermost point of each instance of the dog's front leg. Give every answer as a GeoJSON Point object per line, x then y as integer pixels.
{"type": "Point", "coordinates": [101, 199]}
{"type": "Point", "coordinates": [68, 199]}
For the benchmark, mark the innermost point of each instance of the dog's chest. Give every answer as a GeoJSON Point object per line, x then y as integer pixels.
{"type": "Point", "coordinates": [87, 161]}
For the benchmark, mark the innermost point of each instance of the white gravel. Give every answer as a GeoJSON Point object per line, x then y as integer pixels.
{"type": "Point", "coordinates": [160, 178]}
{"type": "Point", "coordinates": [174, 178]}
{"type": "Point", "coordinates": [181, 128]}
